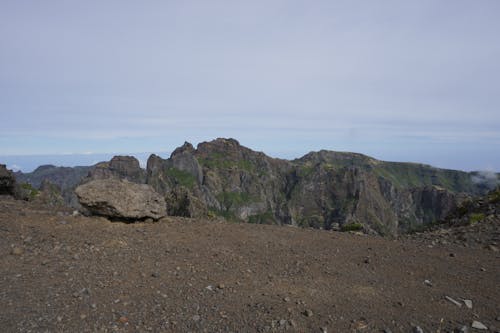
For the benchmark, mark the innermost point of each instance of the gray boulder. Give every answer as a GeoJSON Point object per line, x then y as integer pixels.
{"type": "Point", "coordinates": [121, 199]}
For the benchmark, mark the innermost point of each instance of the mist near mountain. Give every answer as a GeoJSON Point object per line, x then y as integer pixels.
{"type": "Point", "coordinates": [28, 163]}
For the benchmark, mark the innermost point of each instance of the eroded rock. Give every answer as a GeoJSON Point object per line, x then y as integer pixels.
{"type": "Point", "coordinates": [121, 199]}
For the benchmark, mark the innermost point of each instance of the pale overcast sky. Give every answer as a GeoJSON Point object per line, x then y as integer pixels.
{"type": "Point", "coordinates": [398, 80]}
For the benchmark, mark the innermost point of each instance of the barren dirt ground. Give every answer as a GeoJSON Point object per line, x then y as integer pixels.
{"type": "Point", "coordinates": [63, 273]}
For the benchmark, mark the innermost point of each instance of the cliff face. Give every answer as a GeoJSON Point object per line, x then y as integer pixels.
{"type": "Point", "coordinates": [120, 167]}
{"type": "Point", "coordinates": [221, 178]}
{"type": "Point", "coordinates": [325, 189]}
{"type": "Point", "coordinates": [322, 189]}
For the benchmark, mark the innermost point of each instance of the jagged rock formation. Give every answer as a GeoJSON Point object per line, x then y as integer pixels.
{"type": "Point", "coordinates": [7, 181]}
{"type": "Point", "coordinates": [65, 178]}
{"type": "Point", "coordinates": [475, 223]}
{"type": "Point", "coordinates": [121, 199]}
{"type": "Point", "coordinates": [120, 167]}
{"type": "Point", "coordinates": [475, 210]}
{"type": "Point", "coordinates": [322, 189]}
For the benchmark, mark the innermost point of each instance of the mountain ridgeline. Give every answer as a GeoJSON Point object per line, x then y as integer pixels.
{"type": "Point", "coordinates": [325, 189]}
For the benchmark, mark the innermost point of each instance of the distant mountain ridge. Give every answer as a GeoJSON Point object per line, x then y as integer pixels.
{"type": "Point", "coordinates": [323, 189]}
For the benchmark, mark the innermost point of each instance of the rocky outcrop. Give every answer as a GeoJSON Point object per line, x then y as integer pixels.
{"type": "Point", "coordinates": [475, 210]}
{"type": "Point", "coordinates": [322, 189]}
{"type": "Point", "coordinates": [50, 194]}
{"type": "Point", "coordinates": [223, 178]}
{"type": "Point", "coordinates": [66, 179]}
{"type": "Point", "coordinates": [325, 189]}
{"type": "Point", "coordinates": [7, 181]}
{"type": "Point", "coordinates": [120, 167]}
{"type": "Point", "coordinates": [121, 199]}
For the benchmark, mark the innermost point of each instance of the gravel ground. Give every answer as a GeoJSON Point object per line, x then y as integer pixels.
{"type": "Point", "coordinates": [64, 273]}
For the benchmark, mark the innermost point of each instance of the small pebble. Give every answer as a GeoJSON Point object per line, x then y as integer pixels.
{"type": "Point", "coordinates": [196, 318]}
{"type": "Point", "coordinates": [448, 298]}
{"type": "Point", "coordinates": [17, 251]}
{"type": "Point", "coordinates": [478, 325]}
{"type": "Point", "coordinates": [418, 329]}
{"type": "Point", "coordinates": [493, 248]}
{"type": "Point", "coordinates": [308, 313]}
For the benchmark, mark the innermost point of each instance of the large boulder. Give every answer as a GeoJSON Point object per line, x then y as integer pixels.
{"type": "Point", "coordinates": [121, 199]}
{"type": "Point", "coordinates": [7, 181]}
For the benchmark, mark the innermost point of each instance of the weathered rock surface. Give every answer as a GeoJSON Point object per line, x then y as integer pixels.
{"type": "Point", "coordinates": [120, 167]}
{"type": "Point", "coordinates": [325, 189]}
{"type": "Point", "coordinates": [121, 199]}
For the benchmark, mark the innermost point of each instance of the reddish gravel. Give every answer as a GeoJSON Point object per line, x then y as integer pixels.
{"type": "Point", "coordinates": [60, 273]}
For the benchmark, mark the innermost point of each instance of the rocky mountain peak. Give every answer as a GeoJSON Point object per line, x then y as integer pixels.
{"type": "Point", "coordinates": [185, 148]}
{"type": "Point", "coordinates": [324, 189]}
{"type": "Point", "coordinates": [121, 167]}
{"type": "Point", "coordinates": [43, 168]}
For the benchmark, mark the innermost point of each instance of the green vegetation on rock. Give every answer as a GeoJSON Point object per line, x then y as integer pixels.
{"type": "Point", "coordinates": [476, 217]}
{"type": "Point", "coordinates": [410, 175]}
{"type": "Point", "coordinates": [29, 192]}
{"type": "Point", "coordinates": [232, 199]}
{"type": "Point", "coordinates": [263, 218]}
{"type": "Point", "coordinates": [220, 161]}
{"type": "Point", "coordinates": [352, 227]}
{"type": "Point", "coordinates": [182, 178]}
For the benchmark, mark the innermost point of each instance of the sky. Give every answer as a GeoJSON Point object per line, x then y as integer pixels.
{"type": "Point", "coordinates": [397, 80]}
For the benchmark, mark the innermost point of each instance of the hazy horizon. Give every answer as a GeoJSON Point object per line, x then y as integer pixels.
{"type": "Point", "coordinates": [28, 163]}
{"type": "Point", "coordinates": [397, 80]}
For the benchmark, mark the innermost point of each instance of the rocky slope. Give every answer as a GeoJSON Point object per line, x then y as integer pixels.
{"type": "Point", "coordinates": [474, 223]}
{"type": "Point", "coordinates": [324, 189]}
{"type": "Point", "coordinates": [66, 273]}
